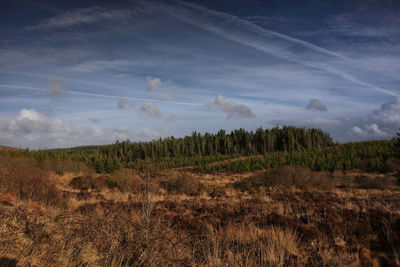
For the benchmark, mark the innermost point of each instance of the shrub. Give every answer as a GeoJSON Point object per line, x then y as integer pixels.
{"type": "Point", "coordinates": [128, 181]}
{"type": "Point", "coordinates": [88, 182]}
{"type": "Point", "coordinates": [285, 177]}
{"type": "Point", "coordinates": [248, 185]}
{"type": "Point", "coordinates": [21, 177]}
{"type": "Point", "coordinates": [62, 166]}
{"type": "Point", "coordinates": [368, 182]}
{"type": "Point", "coordinates": [342, 180]}
{"type": "Point", "coordinates": [183, 184]}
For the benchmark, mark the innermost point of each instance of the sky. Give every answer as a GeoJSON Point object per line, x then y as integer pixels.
{"type": "Point", "coordinates": [92, 72]}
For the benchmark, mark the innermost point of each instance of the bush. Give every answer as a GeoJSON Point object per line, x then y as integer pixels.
{"type": "Point", "coordinates": [248, 185]}
{"type": "Point", "coordinates": [183, 185]}
{"type": "Point", "coordinates": [128, 181]}
{"type": "Point", "coordinates": [368, 182]}
{"type": "Point", "coordinates": [60, 166]}
{"type": "Point", "coordinates": [21, 177]}
{"type": "Point", "coordinates": [89, 182]}
{"type": "Point", "coordinates": [285, 177]}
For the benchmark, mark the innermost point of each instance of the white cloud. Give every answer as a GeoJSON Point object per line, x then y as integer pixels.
{"type": "Point", "coordinates": [81, 16]}
{"type": "Point", "coordinates": [315, 104]}
{"type": "Point", "coordinates": [231, 108]}
{"type": "Point", "coordinates": [54, 87]}
{"type": "Point", "coordinates": [151, 109]}
{"type": "Point", "coordinates": [384, 122]}
{"type": "Point", "coordinates": [125, 104]}
{"type": "Point", "coordinates": [30, 128]}
{"type": "Point", "coordinates": [101, 65]}
{"type": "Point", "coordinates": [388, 114]}
{"type": "Point", "coordinates": [153, 84]}
{"type": "Point", "coordinates": [369, 131]}
{"type": "Point", "coordinates": [117, 65]}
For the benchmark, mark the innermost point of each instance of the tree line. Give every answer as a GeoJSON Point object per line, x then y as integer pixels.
{"type": "Point", "coordinates": [207, 147]}
{"type": "Point", "coordinates": [370, 156]}
{"type": "Point", "coordinates": [264, 148]}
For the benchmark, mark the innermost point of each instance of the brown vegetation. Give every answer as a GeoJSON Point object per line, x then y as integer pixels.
{"type": "Point", "coordinates": [7, 148]}
{"type": "Point", "coordinates": [289, 216]}
{"type": "Point", "coordinates": [22, 178]}
{"type": "Point", "coordinates": [287, 178]}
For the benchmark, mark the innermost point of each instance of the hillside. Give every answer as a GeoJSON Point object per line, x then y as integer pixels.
{"type": "Point", "coordinates": [61, 213]}
{"type": "Point", "coordinates": [237, 151]}
{"type": "Point", "coordinates": [7, 148]}
{"type": "Point", "coordinates": [324, 205]}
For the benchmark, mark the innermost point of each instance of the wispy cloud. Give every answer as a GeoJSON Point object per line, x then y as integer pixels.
{"type": "Point", "coordinates": [54, 87]}
{"type": "Point", "coordinates": [96, 95]}
{"type": "Point", "coordinates": [270, 42]}
{"type": "Point", "coordinates": [125, 104]}
{"type": "Point", "coordinates": [231, 108]}
{"type": "Point", "coordinates": [153, 84]}
{"type": "Point", "coordinates": [117, 64]}
{"type": "Point", "coordinates": [101, 65]}
{"type": "Point", "coordinates": [151, 109]}
{"type": "Point", "coordinates": [81, 16]}
{"type": "Point", "coordinates": [380, 23]}
{"type": "Point", "coordinates": [164, 88]}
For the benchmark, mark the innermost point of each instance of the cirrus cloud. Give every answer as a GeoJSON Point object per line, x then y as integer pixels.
{"type": "Point", "coordinates": [81, 16]}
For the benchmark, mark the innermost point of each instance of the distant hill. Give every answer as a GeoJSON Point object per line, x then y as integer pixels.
{"type": "Point", "coordinates": [7, 148]}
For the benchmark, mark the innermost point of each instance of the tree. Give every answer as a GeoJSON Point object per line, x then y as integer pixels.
{"type": "Point", "coordinates": [397, 145]}
{"type": "Point", "coordinates": [397, 156]}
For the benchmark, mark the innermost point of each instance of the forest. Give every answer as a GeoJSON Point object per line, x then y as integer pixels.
{"type": "Point", "coordinates": [237, 151]}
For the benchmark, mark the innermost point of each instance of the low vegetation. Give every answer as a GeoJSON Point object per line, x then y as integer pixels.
{"type": "Point", "coordinates": [371, 156]}
{"type": "Point", "coordinates": [20, 177]}
{"type": "Point", "coordinates": [284, 215]}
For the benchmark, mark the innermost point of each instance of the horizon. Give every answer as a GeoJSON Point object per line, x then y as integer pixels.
{"type": "Point", "coordinates": [189, 135]}
{"type": "Point", "coordinates": [94, 72]}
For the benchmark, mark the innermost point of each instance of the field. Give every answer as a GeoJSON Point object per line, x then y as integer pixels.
{"type": "Point", "coordinates": [286, 216]}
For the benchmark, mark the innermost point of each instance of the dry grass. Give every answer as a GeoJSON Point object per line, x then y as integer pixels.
{"type": "Point", "coordinates": [22, 178]}
{"type": "Point", "coordinates": [182, 184]}
{"type": "Point", "coordinates": [287, 179]}
{"type": "Point", "coordinates": [175, 218]}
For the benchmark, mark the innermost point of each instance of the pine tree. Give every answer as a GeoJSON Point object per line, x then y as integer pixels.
{"type": "Point", "coordinates": [397, 156]}
{"type": "Point", "coordinates": [397, 146]}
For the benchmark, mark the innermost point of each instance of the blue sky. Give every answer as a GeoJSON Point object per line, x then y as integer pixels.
{"type": "Point", "coordinates": [93, 72]}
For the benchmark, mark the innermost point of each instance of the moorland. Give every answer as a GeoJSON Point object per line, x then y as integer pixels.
{"type": "Point", "coordinates": [277, 197]}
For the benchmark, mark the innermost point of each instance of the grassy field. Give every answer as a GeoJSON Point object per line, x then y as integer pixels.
{"type": "Point", "coordinates": [288, 216]}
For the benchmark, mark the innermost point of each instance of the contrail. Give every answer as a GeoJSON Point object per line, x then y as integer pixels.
{"type": "Point", "coordinates": [272, 43]}
{"type": "Point", "coordinates": [236, 20]}
{"type": "Point", "coordinates": [97, 95]}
